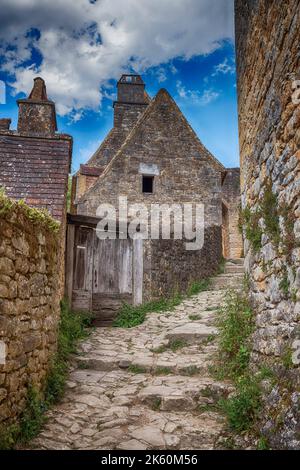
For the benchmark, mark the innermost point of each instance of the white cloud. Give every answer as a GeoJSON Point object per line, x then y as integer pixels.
{"type": "Point", "coordinates": [224, 68]}
{"type": "Point", "coordinates": [195, 96]}
{"type": "Point", "coordinates": [84, 44]}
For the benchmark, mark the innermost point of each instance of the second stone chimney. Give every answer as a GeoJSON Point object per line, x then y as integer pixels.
{"type": "Point", "coordinates": [37, 114]}
{"type": "Point", "coordinates": [5, 124]}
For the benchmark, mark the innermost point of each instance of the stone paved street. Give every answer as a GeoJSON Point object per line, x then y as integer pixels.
{"type": "Point", "coordinates": [132, 389]}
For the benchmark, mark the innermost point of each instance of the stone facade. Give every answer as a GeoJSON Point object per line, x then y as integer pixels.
{"type": "Point", "coordinates": [232, 239]}
{"type": "Point", "coordinates": [153, 137]}
{"type": "Point", "coordinates": [268, 61]}
{"type": "Point", "coordinates": [29, 305]}
{"type": "Point", "coordinates": [169, 267]}
{"type": "Point", "coordinates": [183, 170]}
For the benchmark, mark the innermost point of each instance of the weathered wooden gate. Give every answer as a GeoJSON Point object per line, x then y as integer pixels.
{"type": "Point", "coordinates": [101, 274]}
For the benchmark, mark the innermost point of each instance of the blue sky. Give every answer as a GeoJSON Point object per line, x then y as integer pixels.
{"type": "Point", "coordinates": [82, 59]}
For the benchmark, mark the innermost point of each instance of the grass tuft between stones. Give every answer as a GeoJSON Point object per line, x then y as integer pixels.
{"type": "Point", "coordinates": [73, 326]}
{"type": "Point", "coordinates": [236, 325]}
{"type": "Point", "coordinates": [130, 316]}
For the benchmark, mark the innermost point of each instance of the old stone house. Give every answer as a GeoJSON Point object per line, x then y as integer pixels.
{"type": "Point", "coordinates": [151, 155]}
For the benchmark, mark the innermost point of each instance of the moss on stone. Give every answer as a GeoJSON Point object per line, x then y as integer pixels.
{"type": "Point", "coordinates": [39, 217]}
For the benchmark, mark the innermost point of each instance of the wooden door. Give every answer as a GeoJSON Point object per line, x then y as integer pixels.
{"type": "Point", "coordinates": [112, 278]}
{"type": "Point", "coordinates": [103, 274]}
{"type": "Point", "coordinates": [83, 264]}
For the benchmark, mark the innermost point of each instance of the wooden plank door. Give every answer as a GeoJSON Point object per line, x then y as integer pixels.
{"type": "Point", "coordinates": [112, 278]}
{"type": "Point", "coordinates": [83, 268]}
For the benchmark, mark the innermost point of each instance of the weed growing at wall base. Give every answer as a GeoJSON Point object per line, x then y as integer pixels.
{"type": "Point", "coordinates": [72, 328]}
{"type": "Point", "coordinates": [236, 325]}
{"type": "Point", "coordinates": [130, 316]}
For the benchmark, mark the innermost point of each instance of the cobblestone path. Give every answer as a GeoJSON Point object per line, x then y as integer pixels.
{"type": "Point", "coordinates": [131, 388]}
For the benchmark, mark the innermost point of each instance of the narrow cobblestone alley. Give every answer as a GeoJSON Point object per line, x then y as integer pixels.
{"type": "Point", "coordinates": [147, 387]}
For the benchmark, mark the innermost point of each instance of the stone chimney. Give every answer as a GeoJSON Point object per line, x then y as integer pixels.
{"type": "Point", "coordinates": [5, 124]}
{"type": "Point", "coordinates": [131, 101]}
{"type": "Point", "coordinates": [37, 116]}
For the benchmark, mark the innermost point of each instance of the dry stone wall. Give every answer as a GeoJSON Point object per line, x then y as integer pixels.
{"type": "Point", "coordinates": [29, 303]}
{"type": "Point", "coordinates": [171, 268]}
{"type": "Point", "coordinates": [232, 237]}
{"type": "Point", "coordinates": [268, 61]}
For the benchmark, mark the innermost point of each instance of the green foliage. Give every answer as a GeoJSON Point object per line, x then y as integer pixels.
{"type": "Point", "coordinates": [39, 217]}
{"type": "Point", "coordinates": [72, 328]}
{"type": "Point", "coordinates": [221, 268]}
{"type": "Point", "coordinates": [288, 240]}
{"type": "Point", "coordinates": [287, 358]}
{"type": "Point", "coordinates": [190, 370]}
{"type": "Point", "coordinates": [198, 286]}
{"type": "Point", "coordinates": [29, 424]}
{"type": "Point", "coordinates": [194, 317]}
{"type": "Point", "coordinates": [243, 409]}
{"type": "Point", "coordinates": [33, 416]}
{"type": "Point", "coordinates": [69, 193]}
{"type": "Point", "coordinates": [284, 285]}
{"type": "Point", "coordinates": [130, 316]}
{"type": "Point", "coordinates": [176, 344]}
{"type": "Point", "coordinates": [235, 325]}
{"type": "Point", "coordinates": [156, 404]}
{"type": "Point", "coordinates": [208, 339]}
{"type": "Point", "coordinates": [269, 212]}
{"type": "Point", "coordinates": [136, 369]}
{"type": "Point", "coordinates": [173, 344]}
{"type": "Point", "coordinates": [160, 349]}
{"type": "Point", "coordinates": [162, 371]}
{"type": "Point", "coordinates": [9, 436]}
{"type": "Point", "coordinates": [253, 231]}
{"type": "Point", "coordinates": [263, 444]}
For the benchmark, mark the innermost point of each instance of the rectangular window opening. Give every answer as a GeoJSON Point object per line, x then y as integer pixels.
{"type": "Point", "coordinates": [148, 184]}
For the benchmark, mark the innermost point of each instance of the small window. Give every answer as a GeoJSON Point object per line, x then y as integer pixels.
{"type": "Point", "coordinates": [148, 184]}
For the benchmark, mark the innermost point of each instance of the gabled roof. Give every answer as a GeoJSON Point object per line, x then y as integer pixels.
{"type": "Point", "coordinates": [162, 96]}
{"type": "Point", "coordinates": [113, 140]}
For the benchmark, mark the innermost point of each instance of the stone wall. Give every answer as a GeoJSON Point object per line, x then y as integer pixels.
{"type": "Point", "coordinates": [169, 267]}
{"type": "Point", "coordinates": [29, 302]}
{"type": "Point", "coordinates": [268, 61]}
{"type": "Point", "coordinates": [232, 237]}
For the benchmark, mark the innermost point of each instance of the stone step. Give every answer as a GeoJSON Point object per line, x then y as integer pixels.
{"type": "Point", "coordinates": [191, 333]}
{"type": "Point", "coordinates": [227, 281]}
{"type": "Point", "coordinates": [238, 261]}
{"type": "Point", "coordinates": [157, 364]}
{"type": "Point", "coordinates": [177, 393]}
{"type": "Point", "coordinates": [233, 268]}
